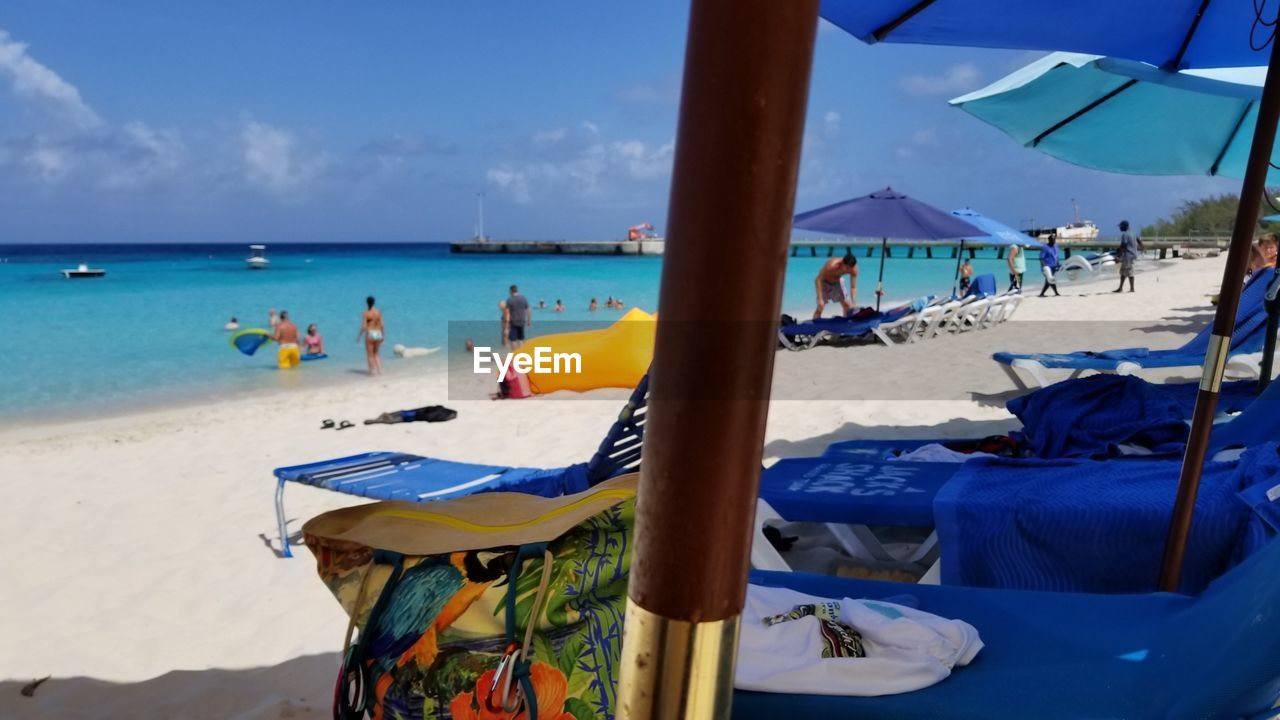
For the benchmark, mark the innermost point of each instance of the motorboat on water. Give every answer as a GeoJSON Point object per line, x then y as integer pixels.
{"type": "Point", "coordinates": [83, 271]}
{"type": "Point", "coordinates": [257, 259]}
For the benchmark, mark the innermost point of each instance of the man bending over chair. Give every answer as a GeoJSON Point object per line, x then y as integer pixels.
{"type": "Point", "coordinates": [829, 286]}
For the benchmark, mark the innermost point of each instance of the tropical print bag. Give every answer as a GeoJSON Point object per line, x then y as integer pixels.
{"type": "Point", "coordinates": [486, 607]}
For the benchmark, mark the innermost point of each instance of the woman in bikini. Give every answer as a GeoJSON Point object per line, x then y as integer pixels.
{"type": "Point", "coordinates": [372, 330]}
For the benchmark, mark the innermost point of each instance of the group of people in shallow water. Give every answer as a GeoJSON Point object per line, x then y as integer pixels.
{"type": "Point", "coordinates": [291, 344]}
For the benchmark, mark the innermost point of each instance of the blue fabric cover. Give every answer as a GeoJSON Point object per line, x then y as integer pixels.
{"type": "Point", "coordinates": [1088, 416]}
{"type": "Point", "coordinates": [1150, 31]}
{"type": "Point", "coordinates": [1260, 424]}
{"type": "Point", "coordinates": [855, 491]}
{"type": "Point", "coordinates": [1065, 656]}
{"type": "Point", "coordinates": [983, 285]}
{"type": "Point", "coordinates": [1088, 526]}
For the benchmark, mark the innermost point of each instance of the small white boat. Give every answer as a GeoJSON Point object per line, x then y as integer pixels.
{"type": "Point", "coordinates": [257, 259]}
{"type": "Point", "coordinates": [83, 271]}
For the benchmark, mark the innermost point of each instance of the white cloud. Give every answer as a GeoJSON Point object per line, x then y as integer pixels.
{"type": "Point", "coordinates": [274, 160]}
{"type": "Point", "coordinates": [72, 143]}
{"type": "Point", "coordinates": [42, 88]}
{"type": "Point", "coordinates": [956, 79]}
{"type": "Point", "coordinates": [580, 163]}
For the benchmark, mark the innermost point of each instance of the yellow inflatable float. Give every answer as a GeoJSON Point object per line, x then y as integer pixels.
{"type": "Point", "coordinates": [616, 356]}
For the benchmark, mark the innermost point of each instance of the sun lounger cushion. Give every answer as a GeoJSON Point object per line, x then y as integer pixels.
{"type": "Point", "coordinates": [855, 492]}
{"type": "Point", "coordinates": [1088, 526]}
{"type": "Point", "coordinates": [1059, 656]}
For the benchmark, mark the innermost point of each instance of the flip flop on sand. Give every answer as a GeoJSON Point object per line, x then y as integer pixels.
{"type": "Point", "coordinates": [326, 424]}
{"type": "Point", "coordinates": [346, 424]}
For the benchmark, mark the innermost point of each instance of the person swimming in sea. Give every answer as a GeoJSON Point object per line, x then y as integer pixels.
{"type": "Point", "coordinates": [232, 324]}
{"type": "Point", "coordinates": [559, 306]}
{"type": "Point", "coordinates": [594, 306]}
{"type": "Point", "coordinates": [373, 331]}
{"type": "Point", "coordinates": [286, 335]}
{"type": "Point", "coordinates": [313, 341]}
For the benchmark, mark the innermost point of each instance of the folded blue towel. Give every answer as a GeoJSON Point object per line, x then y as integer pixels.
{"type": "Point", "coordinates": [1089, 526]}
{"type": "Point", "coordinates": [1087, 417]}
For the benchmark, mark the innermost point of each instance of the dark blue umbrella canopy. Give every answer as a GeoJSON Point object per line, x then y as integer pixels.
{"type": "Point", "coordinates": [1173, 34]}
{"type": "Point", "coordinates": [887, 214]}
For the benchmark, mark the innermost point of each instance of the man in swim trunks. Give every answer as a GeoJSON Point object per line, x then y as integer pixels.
{"type": "Point", "coordinates": [829, 286]}
{"type": "Point", "coordinates": [287, 335]}
{"type": "Point", "coordinates": [518, 317]}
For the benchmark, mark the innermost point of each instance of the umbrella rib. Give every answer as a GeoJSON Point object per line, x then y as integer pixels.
{"type": "Point", "coordinates": [1076, 115]}
{"type": "Point", "coordinates": [1213, 169]}
{"type": "Point", "coordinates": [883, 31]}
{"type": "Point", "coordinates": [1186, 41]}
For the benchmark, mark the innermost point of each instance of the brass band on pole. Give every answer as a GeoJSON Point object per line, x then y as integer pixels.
{"type": "Point", "coordinates": [737, 159]}
{"type": "Point", "coordinates": [1215, 363]}
{"type": "Point", "coordinates": [676, 669]}
{"type": "Point", "coordinates": [1251, 193]}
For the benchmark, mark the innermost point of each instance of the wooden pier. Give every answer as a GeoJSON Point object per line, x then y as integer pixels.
{"type": "Point", "coordinates": [1163, 247]}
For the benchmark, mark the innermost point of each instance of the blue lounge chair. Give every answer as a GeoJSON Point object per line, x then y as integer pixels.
{"type": "Point", "coordinates": [402, 476]}
{"type": "Point", "coordinates": [1027, 370]}
{"type": "Point", "coordinates": [805, 335]}
{"type": "Point", "coordinates": [1046, 499]}
{"type": "Point", "coordinates": [1068, 655]}
{"type": "Point", "coordinates": [1236, 397]}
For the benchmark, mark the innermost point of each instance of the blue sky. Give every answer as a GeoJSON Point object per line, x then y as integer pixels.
{"type": "Point", "coordinates": [232, 121]}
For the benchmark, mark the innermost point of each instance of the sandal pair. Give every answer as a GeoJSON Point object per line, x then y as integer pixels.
{"type": "Point", "coordinates": [328, 424]}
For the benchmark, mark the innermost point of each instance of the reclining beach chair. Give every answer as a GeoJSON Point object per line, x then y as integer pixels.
{"type": "Point", "coordinates": [882, 326]}
{"type": "Point", "coordinates": [402, 476]}
{"type": "Point", "coordinates": [1258, 416]}
{"type": "Point", "coordinates": [1028, 370]}
{"type": "Point", "coordinates": [1051, 655]}
{"type": "Point", "coordinates": [853, 489]}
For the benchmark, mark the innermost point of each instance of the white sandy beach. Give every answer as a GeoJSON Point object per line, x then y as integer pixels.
{"type": "Point", "coordinates": [139, 551]}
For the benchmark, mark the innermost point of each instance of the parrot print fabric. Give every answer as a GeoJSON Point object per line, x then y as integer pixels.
{"type": "Point", "coordinates": [439, 637]}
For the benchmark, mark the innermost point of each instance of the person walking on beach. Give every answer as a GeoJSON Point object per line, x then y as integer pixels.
{"type": "Point", "coordinates": [829, 284]}
{"type": "Point", "coordinates": [373, 332]}
{"type": "Point", "coordinates": [1127, 254]}
{"type": "Point", "coordinates": [1049, 265]}
{"type": "Point", "coordinates": [286, 333]}
{"type": "Point", "coordinates": [518, 317]}
{"type": "Point", "coordinates": [1017, 267]}
{"type": "Point", "coordinates": [966, 277]}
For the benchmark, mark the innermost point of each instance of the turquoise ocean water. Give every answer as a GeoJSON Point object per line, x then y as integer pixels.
{"type": "Point", "coordinates": [150, 332]}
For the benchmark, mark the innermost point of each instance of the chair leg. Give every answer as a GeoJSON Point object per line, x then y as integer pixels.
{"type": "Point", "coordinates": [764, 556]}
{"type": "Point", "coordinates": [1015, 376]}
{"type": "Point", "coordinates": [284, 533]}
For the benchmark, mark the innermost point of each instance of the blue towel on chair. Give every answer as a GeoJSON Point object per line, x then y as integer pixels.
{"type": "Point", "coordinates": [1089, 526]}
{"type": "Point", "coordinates": [1121, 353]}
{"type": "Point", "coordinates": [1089, 416]}
{"type": "Point", "coordinates": [1086, 417]}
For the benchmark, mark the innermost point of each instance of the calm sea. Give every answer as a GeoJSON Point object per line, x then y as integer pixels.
{"type": "Point", "coordinates": [151, 332]}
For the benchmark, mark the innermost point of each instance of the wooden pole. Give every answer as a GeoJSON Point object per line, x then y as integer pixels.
{"type": "Point", "coordinates": [742, 113]}
{"type": "Point", "coordinates": [1215, 360]}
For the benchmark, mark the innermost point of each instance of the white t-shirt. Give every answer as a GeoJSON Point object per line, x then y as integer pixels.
{"type": "Point", "coordinates": [906, 649]}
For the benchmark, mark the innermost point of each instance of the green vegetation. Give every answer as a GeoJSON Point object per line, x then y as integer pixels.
{"type": "Point", "coordinates": [1211, 216]}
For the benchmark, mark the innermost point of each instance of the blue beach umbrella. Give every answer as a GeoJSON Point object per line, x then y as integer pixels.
{"type": "Point", "coordinates": [1127, 117]}
{"type": "Point", "coordinates": [997, 234]}
{"type": "Point", "coordinates": [886, 214]}
{"type": "Point", "coordinates": [1165, 33]}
